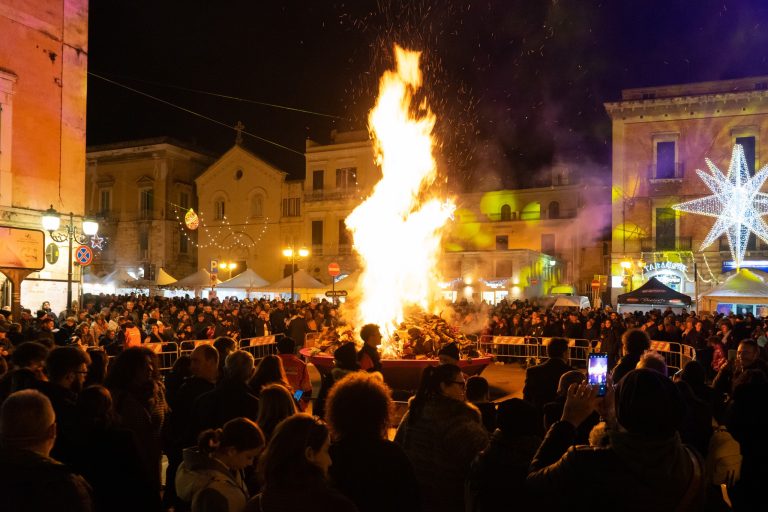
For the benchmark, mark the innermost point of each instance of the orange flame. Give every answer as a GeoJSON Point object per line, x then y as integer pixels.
{"type": "Point", "coordinates": [397, 230]}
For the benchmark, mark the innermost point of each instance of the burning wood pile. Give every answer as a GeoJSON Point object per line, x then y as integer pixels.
{"type": "Point", "coordinates": [419, 336]}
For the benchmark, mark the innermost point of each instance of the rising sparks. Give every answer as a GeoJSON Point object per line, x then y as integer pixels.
{"type": "Point", "coordinates": [397, 230]}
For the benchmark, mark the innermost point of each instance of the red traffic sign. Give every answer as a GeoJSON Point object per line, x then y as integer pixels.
{"type": "Point", "coordinates": [336, 293]}
{"type": "Point", "coordinates": [595, 284]}
{"type": "Point", "coordinates": [334, 269]}
{"type": "Point", "coordinates": [84, 255]}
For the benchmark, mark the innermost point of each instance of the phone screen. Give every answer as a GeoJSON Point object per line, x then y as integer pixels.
{"type": "Point", "coordinates": [298, 394]}
{"type": "Point", "coordinates": [597, 372]}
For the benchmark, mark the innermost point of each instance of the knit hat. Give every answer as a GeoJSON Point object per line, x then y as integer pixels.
{"type": "Point", "coordinates": [346, 356]}
{"type": "Point", "coordinates": [649, 404]}
{"type": "Point", "coordinates": [451, 350]}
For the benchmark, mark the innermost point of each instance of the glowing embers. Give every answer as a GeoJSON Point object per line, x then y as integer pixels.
{"type": "Point", "coordinates": [736, 202]}
{"type": "Point", "coordinates": [397, 230]}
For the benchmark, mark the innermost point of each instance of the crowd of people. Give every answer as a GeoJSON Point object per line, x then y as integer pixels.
{"type": "Point", "coordinates": [87, 416]}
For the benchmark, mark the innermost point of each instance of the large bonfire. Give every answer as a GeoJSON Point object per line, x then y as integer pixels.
{"type": "Point", "coordinates": [397, 230]}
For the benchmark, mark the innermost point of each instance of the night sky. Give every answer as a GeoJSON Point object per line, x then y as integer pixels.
{"type": "Point", "coordinates": [516, 84]}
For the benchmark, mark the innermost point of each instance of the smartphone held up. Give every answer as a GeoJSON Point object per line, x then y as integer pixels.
{"type": "Point", "coordinates": [597, 372]}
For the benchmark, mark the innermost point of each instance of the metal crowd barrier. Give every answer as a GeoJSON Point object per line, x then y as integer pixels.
{"type": "Point", "coordinates": [169, 352]}
{"type": "Point", "coordinates": [530, 350]}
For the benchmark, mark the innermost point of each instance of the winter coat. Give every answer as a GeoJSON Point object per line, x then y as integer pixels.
{"type": "Point", "coordinates": [362, 467]}
{"type": "Point", "coordinates": [541, 381]}
{"type": "Point", "coordinates": [633, 473]}
{"type": "Point", "coordinates": [208, 485]}
{"type": "Point", "coordinates": [497, 478]}
{"type": "Point", "coordinates": [441, 443]}
{"type": "Point", "coordinates": [30, 482]}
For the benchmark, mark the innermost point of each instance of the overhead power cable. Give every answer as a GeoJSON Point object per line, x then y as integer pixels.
{"type": "Point", "coordinates": [184, 109]}
{"type": "Point", "coordinates": [233, 98]}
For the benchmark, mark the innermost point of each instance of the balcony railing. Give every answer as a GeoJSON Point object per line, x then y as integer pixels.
{"type": "Point", "coordinates": [331, 194]}
{"type": "Point", "coordinates": [562, 214]}
{"type": "Point", "coordinates": [660, 173]}
{"type": "Point", "coordinates": [681, 243]}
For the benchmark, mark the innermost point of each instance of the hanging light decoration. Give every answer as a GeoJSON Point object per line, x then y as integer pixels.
{"type": "Point", "coordinates": [736, 202]}
{"type": "Point", "coordinates": [191, 220]}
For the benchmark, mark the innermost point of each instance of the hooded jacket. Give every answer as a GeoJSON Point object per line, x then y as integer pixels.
{"type": "Point", "coordinates": [208, 485]}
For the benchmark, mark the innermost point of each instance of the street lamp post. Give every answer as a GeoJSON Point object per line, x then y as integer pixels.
{"type": "Point", "coordinates": [228, 266]}
{"type": "Point", "coordinates": [51, 221]}
{"type": "Point", "coordinates": [292, 252]}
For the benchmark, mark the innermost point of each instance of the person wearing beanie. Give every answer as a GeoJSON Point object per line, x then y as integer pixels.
{"type": "Point", "coordinates": [345, 361]}
{"type": "Point", "coordinates": [643, 465]}
{"type": "Point", "coordinates": [449, 354]}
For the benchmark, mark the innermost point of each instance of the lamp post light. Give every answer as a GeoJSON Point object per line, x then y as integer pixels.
{"type": "Point", "coordinates": [228, 266]}
{"type": "Point", "coordinates": [51, 221]}
{"type": "Point", "coordinates": [292, 252]}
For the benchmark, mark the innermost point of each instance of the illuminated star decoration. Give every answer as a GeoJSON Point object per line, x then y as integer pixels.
{"type": "Point", "coordinates": [97, 242]}
{"type": "Point", "coordinates": [736, 202]}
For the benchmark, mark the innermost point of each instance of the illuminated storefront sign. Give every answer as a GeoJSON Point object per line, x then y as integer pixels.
{"type": "Point", "coordinates": [664, 265]}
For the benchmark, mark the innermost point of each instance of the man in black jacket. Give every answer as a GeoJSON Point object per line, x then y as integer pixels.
{"type": "Point", "coordinates": [541, 381]}
{"type": "Point", "coordinates": [29, 478]}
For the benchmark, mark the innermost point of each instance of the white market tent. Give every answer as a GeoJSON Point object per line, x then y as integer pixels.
{"type": "Point", "coordinates": [164, 278]}
{"type": "Point", "coordinates": [304, 285]}
{"type": "Point", "coordinates": [349, 283]}
{"type": "Point", "coordinates": [247, 280]}
{"type": "Point", "coordinates": [197, 281]}
{"type": "Point", "coordinates": [743, 287]}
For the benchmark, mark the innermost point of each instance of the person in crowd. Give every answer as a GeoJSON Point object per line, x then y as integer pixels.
{"type": "Point", "coordinates": [28, 367]}
{"type": "Point", "coordinates": [449, 354]}
{"type": "Point", "coordinates": [99, 326]}
{"type": "Point", "coordinates": [225, 346]}
{"type": "Point", "coordinates": [368, 357]}
{"type": "Point", "coordinates": [573, 328]}
{"type": "Point", "coordinates": [297, 325]}
{"type": "Point", "coordinates": [277, 319]}
{"type": "Point", "coordinates": [84, 335]}
{"type": "Point", "coordinates": [499, 471]}
{"type": "Point", "coordinates": [211, 476]}
{"type": "Point", "coordinates": [174, 379]}
{"type": "Point", "coordinates": [232, 398]}
{"type": "Point", "coordinates": [441, 434]}
{"type": "Point", "coordinates": [591, 331]}
{"type": "Point", "coordinates": [179, 432]}
{"type": "Point", "coordinates": [747, 421]}
{"type": "Point", "coordinates": [45, 333]}
{"type": "Point", "coordinates": [726, 335]}
{"type": "Point", "coordinates": [644, 465]}
{"type": "Point", "coordinates": [554, 410]}
{"type": "Point", "coordinates": [653, 361]}
{"type": "Point", "coordinates": [66, 331]}
{"type": "Point", "coordinates": [478, 394]}
{"type": "Point", "coordinates": [97, 370]}
{"type": "Point", "coordinates": [108, 456]}
{"type": "Point", "coordinates": [155, 334]}
{"type": "Point", "coordinates": [66, 368]}
{"type": "Point", "coordinates": [294, 470]}
{"type": "Point", "coordinates": [30, 480]}
{"type": "Point", "coordinates": [541, 381]}
{"type": "Point", "coordinates": [295, 370]}
{"type": "Point", "coordinates": [634, 343]}
{"type": "Point", "coordinates": [345, 361]}
{"type": "Point", "coordinates": [269, 371]}
{"type": "Point", "coordinates": [609, 341]}
{"type": "Point", "coordinates": [694, 374]}
{"type": "Point", "coordinates": [139, 400]}
{"type": "Point", "coordinates": [747, 358]}
{"type": "Point", "coordinates": [364, 461]}
{"type": "Point", "coordinates": [275, 404]}
{"type": "Point", "coordinates": [132, 335]}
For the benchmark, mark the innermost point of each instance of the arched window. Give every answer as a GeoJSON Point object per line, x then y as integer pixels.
{"type": "Point", "coordinates": [506, 212]}
{"type": "Point", "coordinates": [554, 210]}
{"type": "Point", "coordinates": [219, 208]}
{"type": "Point", "coordinates": [257, 205]}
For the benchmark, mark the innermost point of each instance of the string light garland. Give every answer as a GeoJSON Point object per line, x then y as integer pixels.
{"type": "Point", "coordinates": [736, 202]}
{"type": "Point", "coordinates": [225, 241]}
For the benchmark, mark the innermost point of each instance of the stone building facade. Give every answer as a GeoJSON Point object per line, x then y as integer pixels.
{"type": "Point", "coordinates": [43, 65]}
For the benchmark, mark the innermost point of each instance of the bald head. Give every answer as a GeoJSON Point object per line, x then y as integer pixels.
{"type": "Point", "coordinates": [27, 421]}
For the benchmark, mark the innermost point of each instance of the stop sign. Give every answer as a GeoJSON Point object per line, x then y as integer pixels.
{"type": "Point", "coordinates": [334, 269]}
